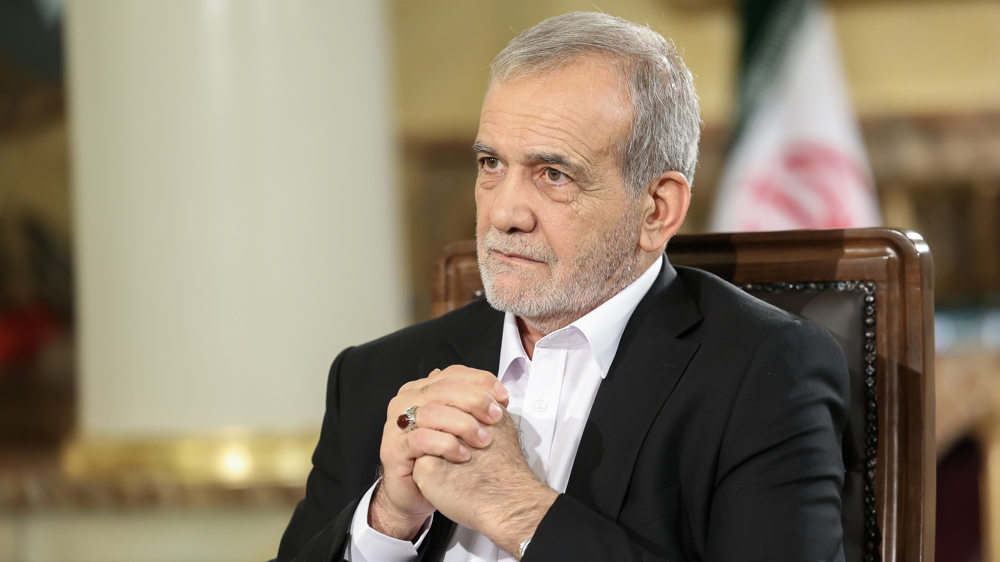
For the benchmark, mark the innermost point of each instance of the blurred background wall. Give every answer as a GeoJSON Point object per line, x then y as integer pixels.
{"type": "Point", "coordinates": [203, 201]}
{"type": "Point", "coordinates": [216, 183]}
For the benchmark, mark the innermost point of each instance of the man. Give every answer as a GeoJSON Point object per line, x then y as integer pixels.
{"type": "Point", "coordinates": [602, 405]}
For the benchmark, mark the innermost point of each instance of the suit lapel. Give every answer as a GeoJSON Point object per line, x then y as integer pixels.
{"type": "Point", "coordinates": [476, 346]}
{"type": "Point", "coordinates": [479, 347]}
{"type": "Point", "coordinates": [649, 363]}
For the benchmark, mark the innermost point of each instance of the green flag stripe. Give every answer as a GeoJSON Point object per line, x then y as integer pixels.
{"type": "Point", "coordinates": [768, 27]}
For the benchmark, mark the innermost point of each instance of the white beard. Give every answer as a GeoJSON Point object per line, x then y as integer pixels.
{"type": "Point", "coordinates": [570, 290]}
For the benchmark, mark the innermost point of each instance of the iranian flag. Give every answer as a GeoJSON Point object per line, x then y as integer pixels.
{"type": "Point", "coordinates": [797, 159]}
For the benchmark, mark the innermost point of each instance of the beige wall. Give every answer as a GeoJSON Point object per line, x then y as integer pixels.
{"type": "Point", "coordinates": [901, 57]}
{"type": "Point", "coordinates": [443, 49]}
{"type": "Point", "coordinates": [922, 57]}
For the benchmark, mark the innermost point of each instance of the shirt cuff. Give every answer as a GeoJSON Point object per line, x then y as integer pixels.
{"type": "Point", "coordinates": [367, 544]}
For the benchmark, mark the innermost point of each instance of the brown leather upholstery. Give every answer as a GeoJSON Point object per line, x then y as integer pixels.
{"type": "Point", "coordinates": [873, 289]}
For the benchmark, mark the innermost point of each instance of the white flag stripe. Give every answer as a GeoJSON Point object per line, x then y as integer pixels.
{"type": "Point", "coordinates": [800, 160]}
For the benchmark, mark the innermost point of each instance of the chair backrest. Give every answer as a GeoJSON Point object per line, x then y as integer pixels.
{"type": "Point", "coordinates": [873, 289]}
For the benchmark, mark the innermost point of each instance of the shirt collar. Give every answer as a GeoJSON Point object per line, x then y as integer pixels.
{"type": "Point", "coordinates": [601, 328]}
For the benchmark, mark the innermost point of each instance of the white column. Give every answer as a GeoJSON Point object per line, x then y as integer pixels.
{"type": "Point", "coordinates": [237, 217]}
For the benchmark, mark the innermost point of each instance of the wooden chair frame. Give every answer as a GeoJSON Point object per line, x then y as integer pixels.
{"type": "Point", "coordinates": [897, 269]}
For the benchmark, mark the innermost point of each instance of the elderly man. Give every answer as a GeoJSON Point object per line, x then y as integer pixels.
{"type": "Point", "coordinates": [601, 405]}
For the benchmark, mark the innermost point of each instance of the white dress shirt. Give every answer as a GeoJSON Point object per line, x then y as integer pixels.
{"type": "Point", "coordinates": [550, 399]}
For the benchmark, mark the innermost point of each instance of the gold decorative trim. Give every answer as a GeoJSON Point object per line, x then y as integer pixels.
{"type": "Point", "coordinates": [231, 459]}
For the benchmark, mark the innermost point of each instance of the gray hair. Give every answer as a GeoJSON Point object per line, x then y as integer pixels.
{"type": "Point", "coordinates": [665, 127]}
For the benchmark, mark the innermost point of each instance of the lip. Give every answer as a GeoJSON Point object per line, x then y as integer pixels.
{"type": "Point", "coordinates": [515, 258]}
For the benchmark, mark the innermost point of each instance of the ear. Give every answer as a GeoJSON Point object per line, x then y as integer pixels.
{"type": "Point", "coordinates": [664, 206]}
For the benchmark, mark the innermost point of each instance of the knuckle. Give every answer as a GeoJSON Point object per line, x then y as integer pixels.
{"type": "Point", "coordinates": [434, 411]}
{"type": "Point", "coordinates": [419, 438]}
{"type": "Point", "coordinates": [407, 446]}
{"type": "Point", "coordinates": [442, 384]}
{"type": "Point", "coordinates": [426, 415]}
{"type": "Point", "coordinates": [428, 388]}
{"type": "Point", "coordinates": [395, 407]}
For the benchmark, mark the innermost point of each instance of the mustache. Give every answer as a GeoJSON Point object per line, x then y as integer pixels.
{"type": "Point", "coordinates": [517, 245]}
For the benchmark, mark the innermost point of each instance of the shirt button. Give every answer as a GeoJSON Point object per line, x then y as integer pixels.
{"type": "Point", "coordinates": [540, 405]}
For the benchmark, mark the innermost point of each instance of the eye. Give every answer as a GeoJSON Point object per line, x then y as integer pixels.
{"type": "Point", "coordinates": [490, 163]}
{"type": "Point", "coordinates": [555, 176]}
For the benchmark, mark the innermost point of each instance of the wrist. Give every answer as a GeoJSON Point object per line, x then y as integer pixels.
{"type": "Point", "coordinates": [385, 519]}
{"type": "Point", "coordinates": [521, 518]}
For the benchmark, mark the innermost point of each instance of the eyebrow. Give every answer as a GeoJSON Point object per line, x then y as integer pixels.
{"type": "Point", "coordinates": [478, 147]}
{"type": "Point", "coordinates": [557, 160]}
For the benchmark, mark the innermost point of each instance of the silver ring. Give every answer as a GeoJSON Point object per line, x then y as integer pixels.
{"type": "Point", "coordinates": [407, 421]}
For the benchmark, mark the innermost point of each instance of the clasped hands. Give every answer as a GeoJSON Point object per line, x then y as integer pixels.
{"type": "Point", "coordinates": [463, 459]}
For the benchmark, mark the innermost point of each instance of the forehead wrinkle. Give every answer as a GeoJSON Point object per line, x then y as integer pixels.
{"type": "Point", "coordinates": [619, 94]}
{"type": "Point", "coordinates": [574, 125]}
{"type": "Point", "coordinates": [526, 122]}
{"type": "Point", "coordinates": [569, 148]}
{"type": "Point", "coordinates": [547, 139]}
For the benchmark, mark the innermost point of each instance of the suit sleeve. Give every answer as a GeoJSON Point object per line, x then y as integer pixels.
{"type": "Point", "coordinates": [320, 524]}
{"type": "Point", "coordinates": [781, 470]}
{"type": "Point", "coordinates": [344, 468]}
{"type": "Point", "coordinates": [779, 474]}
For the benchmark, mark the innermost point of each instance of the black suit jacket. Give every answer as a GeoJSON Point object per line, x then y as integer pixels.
{"type": "Point", "coordinates": [716, 434]}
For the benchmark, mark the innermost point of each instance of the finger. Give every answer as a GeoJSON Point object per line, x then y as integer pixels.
{"type": "Point", "coordinates": [472, 395]}
{"type": "Point", "coordinates": [448, 419]}
{"type": "Point", "coordinates": [480, 405]}
{"type": "Point", "coordinates": [423, 468]}
{"type": "Point", "coordinates": [423, 442]}
{"type": "Point", "coordinates": [475, 377]}
{"type": "Point", "coordinates": [459, 375]}
{"type": "Point", "coordinates": [500, 394]}
{"type": "Point", "coordinates": [440, 417]}
{"type": "Point", "coordinates": [476, 392]}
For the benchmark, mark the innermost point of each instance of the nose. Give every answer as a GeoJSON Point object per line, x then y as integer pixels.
{"type": "Point", "coordinates": [510, 209]}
